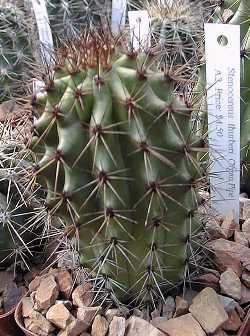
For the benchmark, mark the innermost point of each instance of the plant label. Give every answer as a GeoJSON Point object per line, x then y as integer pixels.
{"type": "Point", "coordinates": [222, 44]}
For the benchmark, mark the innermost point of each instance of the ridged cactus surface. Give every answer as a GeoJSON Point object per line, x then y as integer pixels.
{"type": "Point", "coordinates": [115, 150]}
{"type": "Point", "coordinates": [15, 51]}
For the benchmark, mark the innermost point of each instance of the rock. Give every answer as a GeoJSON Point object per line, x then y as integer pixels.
{"type": "Point", "coordinates": [180, 326]}
{"type": "Point", "coordinates": [240, 238]}
{"type": "Point", "coordinates": [67, 303]}
{"type": "Point", "coordinates": [246, 265]}
{"type": "Point", "coordinates": [65, 333]}
{"type": "Point", "coordinates": [230, 284]}
{"type": "Point", "coordinates": [207, 280]}
{"type": "Point", "coordinates": [100, 326]}
{"type": "Point", "coordinates": [34, 284]}
{"type": "Point", "coordinates": [246, 229]}
{"type": "Point", "coordinates": [75, 328]}
{"type": "Point", "coordinates": [229, 304]}
{"type": "Point", "coordinates": [208, 310]}
{"type": "Point", "coordinates": [243, 197]}
{"type": "Point", "coordinates": [155, 313]}
{"type": "Point", "coordinates": [38, 324]}
{"type": "Point", "coordinates": [65, 282]}
{"type": "Point", "coordinates": [232, 250]}
{"type": "Point", "coordinates": [47, 292]}
{"type": "Point", "coordinates": [246, 208]}
{"type": "Point", "coordinates": [87, 315]}
{"type": "Point", "coordinates": [245, 294]}
{"type": "Point", "coordinates": [136, 326]}
{"type": "Point", "coordinates": [240, 311]}
{"type": "Point", "coordinates": [189, 295]}
{"type": "Point", "coordinates": [27, 307]}
{"type": "Point", "coordinates": [233, 323]}
{"type": "Point", "coordinates": [117, 326]}
{"type": "Point", "coordinates": [110, 313]}
{"type": "Point", "coordinates": [59, 315]}
{"type": "Point", "coordinates": [124, 311]}
{"type": "Point", "coordinates": [83, 295]}
{"type": "Point", "coordinates": [138, 313]}
{"type": "Point", "coordinates": [181, 306]}
{"type": "Point", "coordinates": [228, 225]}
{"type": "Point", "coordinates": [214, 230]}
{"type": "Point", "coordinates": [246, 278]}
{"type": "Point", "coordinates": [168, 308]}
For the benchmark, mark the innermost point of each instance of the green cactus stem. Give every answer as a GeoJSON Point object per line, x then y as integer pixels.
{"type": "Point", "coordinates": [115, 150]}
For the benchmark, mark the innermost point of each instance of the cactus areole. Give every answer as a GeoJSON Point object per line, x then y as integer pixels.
{"type": "Point", "coordinates": [117, 155]}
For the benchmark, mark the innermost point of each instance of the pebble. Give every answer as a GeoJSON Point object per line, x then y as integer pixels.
{"type": "Point", "coordinates": [136, 326]}
{"type": "Point", "coordinates": [100, 326]}
{"type": "Point", "coordinates": [180, 326]}
{"type": "Point", "coordinates": [47, 292]}
{"type": "Point", "coordinates": [208, 310]}
{"type": "Point", "coordinates": [230, 284]}
{"type": "Point", "coordinates": [83, 295]}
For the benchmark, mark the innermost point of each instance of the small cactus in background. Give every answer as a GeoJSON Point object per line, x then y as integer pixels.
{"type": "Point", "coordinates": [71, 16]}
{"type": "Point", "coordinates": [178, 27]}
{"type": "Point", "coordinates": [115, 151]}
{"type": "Point", "coordinates": [15, 51]}
{"type": "Point", "coordinates": [20, 225]}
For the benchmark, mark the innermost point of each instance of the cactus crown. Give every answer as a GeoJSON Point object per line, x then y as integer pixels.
{"type": "Point", "coordinates": [116, 153]}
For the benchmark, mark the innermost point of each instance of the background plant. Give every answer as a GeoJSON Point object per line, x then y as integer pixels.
{"type": "Point", "coordinates": [15, 50]}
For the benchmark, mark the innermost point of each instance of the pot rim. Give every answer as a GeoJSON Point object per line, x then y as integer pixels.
{"type": "Point", "coordinates": [10, 312]}
{"type": "Point", "coordinates": [18, 320]}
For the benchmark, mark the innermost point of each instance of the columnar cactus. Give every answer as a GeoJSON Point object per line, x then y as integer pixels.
{"type": "Point", "coordinates": [115, 150]}
{"type": "Point", "coordinates": [15, 51]}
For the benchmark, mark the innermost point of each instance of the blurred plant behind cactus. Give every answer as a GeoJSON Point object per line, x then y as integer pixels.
{"type": "Point", "coordinates": [178, 27]}
{"type": "Point", "coordinates": [15, 51]}
{"type": "Point", "coordinates": [115, 149]}
{"type": "Point", "coordinates": [20, 222]}
{"type": "Point", "coordinates": [69, 17]}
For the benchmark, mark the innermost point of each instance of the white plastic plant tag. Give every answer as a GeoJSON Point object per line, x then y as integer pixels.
{"type": "Point", "coordinates": [139, 24]}
{"type": "Point", "coordinates": [222, 43]}
{"type": "Point", "coordinates": [118, 18]}
{"type": "Point", "coordinates": [44, 30]}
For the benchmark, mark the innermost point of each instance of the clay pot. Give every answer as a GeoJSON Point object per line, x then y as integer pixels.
{"type": "Point", "coordinates": [8, 326]}
{"type": "Point", "coordinates": [19, 320]}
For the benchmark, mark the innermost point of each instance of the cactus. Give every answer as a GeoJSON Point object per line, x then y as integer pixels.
{"type": "Point", "coordinates": [15, 51]}
{"type": "Point", "coordinates": [70, 16]}
{"type": "Point", "coordinates": [20, 224]}
{"type": "Point", "coordinates": [115, 151]}
{"type": "Point", "coordinates": [178, 27]}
